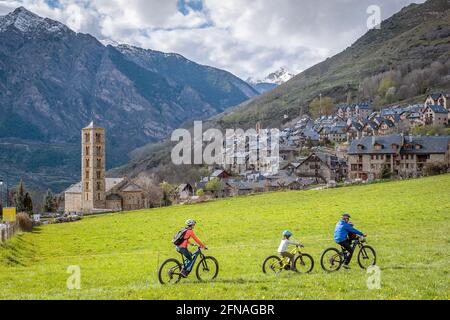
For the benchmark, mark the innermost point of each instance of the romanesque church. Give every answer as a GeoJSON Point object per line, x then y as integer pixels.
{"type": "Point", "coordinates": [96, 193]}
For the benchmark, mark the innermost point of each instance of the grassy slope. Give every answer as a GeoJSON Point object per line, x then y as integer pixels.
{"type": "Point", "coordinates": [408, 224]}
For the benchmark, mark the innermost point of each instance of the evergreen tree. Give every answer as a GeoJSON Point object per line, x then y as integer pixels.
{"type": "Point", "coordinates": [19, 197]}
{"type": "Point", "coordinates": [49, 202]}
{"type": "Point", "coordinates": [28, 203]}
{"type": "Point", "coordinates": [22, 199]}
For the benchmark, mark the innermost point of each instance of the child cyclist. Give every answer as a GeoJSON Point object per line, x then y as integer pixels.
{"type": "Point", "coordinates": [283, 249]}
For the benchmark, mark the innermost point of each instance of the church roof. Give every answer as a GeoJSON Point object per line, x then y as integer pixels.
{"type": "Point", "coordinates": [76, 188]}
{"type": "Point", "coordinates": [92, 125]}
{"type": "Point", "coordinates": [132, 187]}
{"type": "Point", "coordinates": [110, 184]}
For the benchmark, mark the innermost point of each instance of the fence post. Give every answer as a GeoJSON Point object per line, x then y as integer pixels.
{"type": "Point", "coordinates": [3, 235]}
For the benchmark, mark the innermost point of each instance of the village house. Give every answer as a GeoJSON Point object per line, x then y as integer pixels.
{"type": "Point", "coordinates": [354, 130]}
{"type": "Point", "coordinates": [96, 193]}
{"type": "Point", "coordinates": [438, 99]}
{"type": "Point", "coordinates": [435, 115]}
{"type": "Point", "coordinates": [400, 155]}
{"type": "Point", "coordinates": [323, 167]}
{"type": "Point", "coordinates": [184, 192]}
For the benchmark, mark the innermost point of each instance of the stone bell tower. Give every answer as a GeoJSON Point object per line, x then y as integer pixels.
{"type": "Point", "coordinates": [93, 163]}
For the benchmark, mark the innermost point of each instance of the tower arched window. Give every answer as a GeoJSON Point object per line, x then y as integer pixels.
{"type": "Point", "coordinates": [87, 137]}
{"type": "Point", "coordinates": [88, 163]}
{"type": "Point", "coordinates": [99, 163]}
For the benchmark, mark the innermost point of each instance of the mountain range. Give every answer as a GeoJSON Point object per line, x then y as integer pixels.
{"type": "Point", "coordinates": [54, 81]}
{"type": "Point", "coordinates": [414, 43]}
{"type": "Point", "coordinates": [412, 39]}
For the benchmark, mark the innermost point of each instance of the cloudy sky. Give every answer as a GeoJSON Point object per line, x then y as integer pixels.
{"type": "Point", "coordinates": [248, 38]}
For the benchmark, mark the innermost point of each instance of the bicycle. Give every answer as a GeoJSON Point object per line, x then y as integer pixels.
{"type": "Point", "coordinates": [207, 268]}
{"type": "Point", "coordinates": [333, 259]}
{"type": "Point", "coordinates": [303, 263]}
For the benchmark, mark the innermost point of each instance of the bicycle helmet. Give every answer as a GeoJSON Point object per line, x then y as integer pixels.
{"type": "Point", "coordinates": [287, 234]}
{"type": "Point", "coordinates": [191, 223]}
{"type": "Point", "coordinates": [346, 215]}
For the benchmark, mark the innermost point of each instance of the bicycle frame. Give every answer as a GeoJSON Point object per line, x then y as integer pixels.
{"type": "Point", "coordinates": [285, 260]}
{"type": "Point", "coordinates": [195, 256]}
{"type": "Point", "coordinates": [355, 243]}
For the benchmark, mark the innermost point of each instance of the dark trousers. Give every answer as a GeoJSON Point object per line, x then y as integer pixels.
{"type": "Point", "coordinates": [347, 245]}
{"type": "Point", "coordinates": [188, 255]}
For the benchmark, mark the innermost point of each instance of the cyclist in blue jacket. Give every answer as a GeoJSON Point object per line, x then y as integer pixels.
{"type": "Point", "coordinates": [344, 228]}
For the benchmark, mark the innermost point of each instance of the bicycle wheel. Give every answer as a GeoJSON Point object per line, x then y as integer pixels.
{"type": "Point", "coordinates": [207, 269]}
{"type": "Point", "coordinates": [272, 264]}
{"type": "Point", "coordinates": [304, 263]}
{"type": "Point", "coordinates": [169, 272]}
{"type": "Point", "coordinates": [331, 260]}
{"type": "Point", "coordinates": [367, 257]}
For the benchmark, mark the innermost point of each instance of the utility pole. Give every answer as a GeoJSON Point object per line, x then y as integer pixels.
{"type": "Point", "coordinates": [1, 193]}
{"type": "Point", "coordinates": [321, 104]}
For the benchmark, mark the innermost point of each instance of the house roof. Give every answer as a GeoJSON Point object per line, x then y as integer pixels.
{"type": "Point", "coordinates": [218, 173]}
{"type": "Point", "coordinates": [437, 108]}
{"type": "Point", "coordinates": [436, 96]}
{"type": "Point", "coordinates": [183, 187]}
{"type": "Point", "coordinates": [428, 145]}
{"type": "Point", "coordinates": [368, 145]}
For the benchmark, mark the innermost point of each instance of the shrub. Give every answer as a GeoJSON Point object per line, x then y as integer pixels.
{"type": "Point", "coordinates": [386, 173]}
{"type": "Point", "coordinates": [25, 222]}
{"type": "Point", "coordinates": [200, 193]}
{"type": "Point", "coordinates": [435, 168]}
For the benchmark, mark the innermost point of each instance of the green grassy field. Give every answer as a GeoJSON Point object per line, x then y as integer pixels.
{"type": "Point", "coordinates": [407, 222]}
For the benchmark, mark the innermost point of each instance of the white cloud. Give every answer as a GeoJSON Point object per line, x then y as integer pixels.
{"type": "Point", "coordinates": [248, 38]}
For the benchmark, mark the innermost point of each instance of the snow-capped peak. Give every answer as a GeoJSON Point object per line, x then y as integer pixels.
{"type": "Point", "coordinates": [26, 21]}
{"type": "Point", "coordinates": [278, 77]}
{"type": "Point", "coordinates": [109, 42]}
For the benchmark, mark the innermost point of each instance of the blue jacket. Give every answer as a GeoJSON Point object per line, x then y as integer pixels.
{"type": "Point", "coordinates": [343, 229]}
